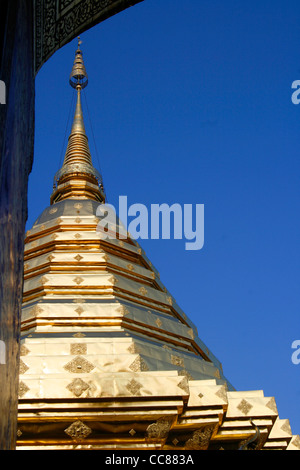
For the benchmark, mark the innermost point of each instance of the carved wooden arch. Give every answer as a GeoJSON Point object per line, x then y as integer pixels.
{"type": "Point", "coordinates": [57, 22]}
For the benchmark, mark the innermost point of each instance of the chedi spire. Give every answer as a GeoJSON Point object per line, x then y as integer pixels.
{"type": "Point", "coordinates": [77, 177]}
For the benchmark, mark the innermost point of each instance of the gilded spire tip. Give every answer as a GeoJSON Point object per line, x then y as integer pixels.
{"type": "Point", "coordinates": [78, 178]}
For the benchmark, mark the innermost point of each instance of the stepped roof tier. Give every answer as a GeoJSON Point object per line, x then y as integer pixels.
{"type": "Point", "coordinates": [108, 358]}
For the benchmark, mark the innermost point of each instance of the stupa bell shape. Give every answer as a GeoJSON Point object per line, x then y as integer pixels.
{"type": "Point", "coordinates": [108, 358]}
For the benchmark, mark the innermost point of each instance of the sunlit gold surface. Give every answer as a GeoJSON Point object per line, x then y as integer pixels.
{"type": "Point", "coordinates": [108, 358]}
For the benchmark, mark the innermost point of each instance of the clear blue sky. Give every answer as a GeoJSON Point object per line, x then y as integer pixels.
{"type": "Point", "coordinates": [190, 102]}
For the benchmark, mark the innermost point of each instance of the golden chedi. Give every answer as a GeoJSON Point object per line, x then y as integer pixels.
{"type": "Point", "coordinates": [108, 358]}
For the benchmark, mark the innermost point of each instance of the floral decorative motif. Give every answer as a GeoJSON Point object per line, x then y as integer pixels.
{"type": "Point", "coordinates": [272, 405]}
{"type": "Point", "coordinates": [138, 365]}
{"type": "Point", "coordinates": [143, 291]}
{"type": "Point", "coordinates": [23, 389]}
{"type": "Point", "coordinates": [79, 310]}
{"type": "Point", "coordinates": [134, 387]}
{"type": "Point", "coordinates": [77, 387]}
{"type": "Point", "coordinates": [78, 431]}
{"type": "Point", "coordinates": [221, 393]}
{"type": "Point", "coordinates": [79, 365]}
{"type": "Point", "coordinates": [78, 348]}
{"type": "Point", "coordinates": [160, 429]}
{"type": "Point", "coordinates": [23, 367]}
{"type": "Point", "coordinates": [23, 350]}
{"type": "Point", "coordinates": [184, 385]}
{"type": "Point", "coordinates": [186, 374]}
{"type": "Point", "coordinates": [200, 439]}
{"type": "Point", "coordinates": [177, 361]}
{"type": "Point", "coordinates": [133, 349]}
{"type": "Point", "coordinates": [79, 335]}
{"type": "Point", "coordinates": [244, 406]}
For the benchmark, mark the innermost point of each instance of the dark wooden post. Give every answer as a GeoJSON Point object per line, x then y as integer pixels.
{"type": "Point", "coordinates": [16, 146]}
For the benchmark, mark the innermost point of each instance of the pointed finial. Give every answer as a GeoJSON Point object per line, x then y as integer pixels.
{"type": "Point", "coordinates": [78, 178]}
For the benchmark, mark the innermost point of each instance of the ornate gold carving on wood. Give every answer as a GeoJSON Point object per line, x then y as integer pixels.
{"type": "Point", "coordinates": [78, 431]}
{"type": "Point", "coordinates": [79, 365]}
{"type": "Point", "coordinates": [160, 429]}
{"type": "Point", "coordinates": [78, 257]}
{"type": "Point", "coordinates": [132, 432]}
{"type": "Point", "coordinates": [200, 439]}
